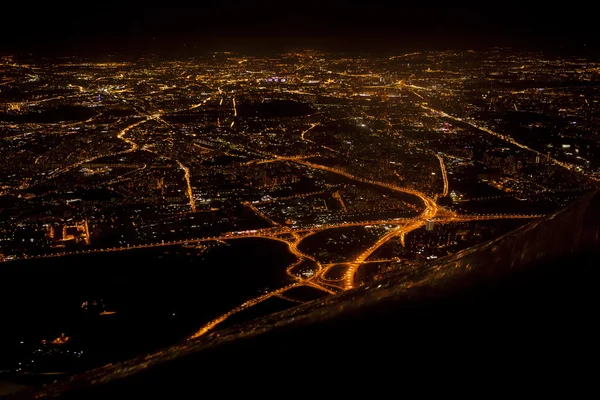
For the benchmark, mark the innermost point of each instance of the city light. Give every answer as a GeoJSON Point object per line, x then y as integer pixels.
{"type": "Point", "coordinates": [357, 168]}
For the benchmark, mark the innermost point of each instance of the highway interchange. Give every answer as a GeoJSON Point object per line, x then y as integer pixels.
{"type": "Point", "coordinates": [293, 236]}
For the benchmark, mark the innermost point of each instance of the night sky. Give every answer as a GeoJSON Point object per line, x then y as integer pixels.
{"type": "Point", "coordinates": [328, 25]}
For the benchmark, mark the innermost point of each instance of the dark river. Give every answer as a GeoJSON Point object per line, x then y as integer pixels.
{"type": "Point", "coordinates": [158, 296]}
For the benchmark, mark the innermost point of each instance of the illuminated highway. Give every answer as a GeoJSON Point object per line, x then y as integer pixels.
{"type": "Point", "coordinates": [197, 105]}
{"type": "Point", "coordinates": [444, 175]}
{"type": "Point", "coordinates": [292, 246]}
{"type": "Point", "coordinates": [203, 150]}
{"type": "Point", "coordinates": [405, 55]}
{"type": "Point", "coordinates": [405, 226]}
{"type": "Point", "coordinates": [431, 207]}
{"type": "Point", "coordinates": [357, 262]}
{"type": "Point", "coordinates": [210, 325]}
{"type": "Point", "coordinates": [381, 260]}
{"type": "Point", "coordinates": [189, 186]}
{"type": "Point", "coordinates": [274, 232]}
{"type": "Point", "coordinates": [336, 195]}
{"type": "Point", "coordinates": [121, 135]}
{"type": "Point", "coordinates": [127, 176]}
{"type": "Point", "coordinates": [277, 159]}
{"type": "Point", "coordinates": [123, 132]}
{"type": "Point", "coordinates": [485, 217]}
{"type": "Point", "coordinates": [317, 280]}
{"type": "Point", "coordinates": [261, 214]}
{"type": "Point", "coordinates": [431, 210]}
{"type": "Point", "coordinates": [570, 167]}
{"type": "Point", "coordinates": [296, 196]}
{"type": "Point", "coordinates": [302, 135]}
{"type": "Point", "coordinates": [374, 96]}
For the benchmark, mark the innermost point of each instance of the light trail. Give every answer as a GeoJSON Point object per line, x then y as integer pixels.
{"type": "Point", "coordinates": [203, 150]}
{"type": "Point", "coordinates": [272, 233]}
{"type": "Point", "coordinates": [123, 132]}
{"type": "Point", "coordinates": [189, 191]}
{"type": "Point", "coordinates": [199, 104]}
{"type": "Point", "coordinates": [405, 55]}
{"type": "Point", "coordinates": [418, 95]}
{"type": "Point", "coordinates": [126, 175]}
{"type": "Point", "coordinates": [87, 121]}
{"type": "Point", "coordinates": [319, 287]}
{"type": "Point", "coordinates": [403, 226]}
{"type": "Point", "coordinates": [279, 292]}
{"type": "Point", "coordinates": [329, 266]}
{"type": "Point", "coordinates": [279, 159]}
{"type": "Point", "coordinates": [297, 196]}
{"type": "Point", "coordinates": [402, 231]}
{"type": "Point", "coordinates": [365, 254]}
{"type": "Point", "coordinates": [359, 75]}
{"type": "Point", "coordinates": [308, 130]}
{"type": "Point", "coordinates": [468, 218]}
{"type": "Point", "coordinates": [289, 299]}
{"type": "Point", "coordinates": [210, 325]}
{"type": "Point", "coordinates": [431, 207]}
{"type": "Point", "coordinates": [338, 197]}
{"type": "Point", "coordinates": [262, 215]}
{"type": "Point", "coordinates": [326, 268]}
{"type": "Point", "coordinates": [349, 276]}
{"type": "Point", "coordinates": [289, 270]}
{"type": "Point", "coordinates": [329, 148]}
{"type": "Point", "coordinates": [7, 82]}
{"type": "Point", "coordinates": [402, 238]}
{"type": "Point", "coordinates": [444, 175]}
{"type": "Point", "coordinates": [326, 285]}
{"type": "Point", "coordinates": [120, 135]}
{"type": "Point", "coordinates": [37, 102]}
{"type": "Point", "coordinates": [508, 139]}
{"type": "Point", "coordinates": [87, 232]}
{"type": "Point", "coordinates": [159, 118]}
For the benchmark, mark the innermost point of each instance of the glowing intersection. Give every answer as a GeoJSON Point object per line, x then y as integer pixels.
{"type": "Point", "coordinates": [292, 237]}
{"type": "Point", "coordinates": [318, 279]}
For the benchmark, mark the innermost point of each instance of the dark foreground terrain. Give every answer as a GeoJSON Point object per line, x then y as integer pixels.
{"type": "Point", "coordinates": [521, 308]}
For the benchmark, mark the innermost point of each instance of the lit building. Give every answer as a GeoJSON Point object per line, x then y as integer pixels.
{"type": "Point", "coordinates": [429, 225]}
{"type": "Point", "coordinates": [78, 232]}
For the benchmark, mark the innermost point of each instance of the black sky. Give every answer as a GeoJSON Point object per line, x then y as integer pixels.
{"type": "Point", "coordinates": [330, 25]}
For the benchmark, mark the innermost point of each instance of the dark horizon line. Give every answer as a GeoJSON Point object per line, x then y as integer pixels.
{"type": "Point", "coordinates": [170, 45]}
